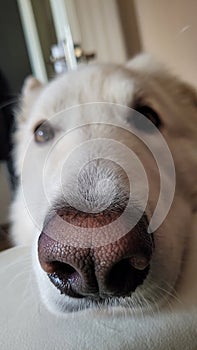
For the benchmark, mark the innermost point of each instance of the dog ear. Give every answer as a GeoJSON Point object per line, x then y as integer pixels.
{"type": "Point", "coordinates": [188, 93]}
{"type": "Point", "coordinates": [31, 85]}
{"type": "Point", "coordinates": [30, 92]}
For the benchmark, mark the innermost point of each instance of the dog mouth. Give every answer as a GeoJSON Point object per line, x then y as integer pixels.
{"type": "Point", "coordinates": [96, 272]}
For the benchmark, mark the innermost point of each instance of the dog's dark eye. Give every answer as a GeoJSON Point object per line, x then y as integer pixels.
{"type": "Point", "coordinates": [43, 132]}
{"type": "Point", "coordinates": [141, 124]}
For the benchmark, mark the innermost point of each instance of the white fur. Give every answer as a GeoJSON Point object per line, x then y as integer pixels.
{"type": "Point", "coordinates": [172, 279]}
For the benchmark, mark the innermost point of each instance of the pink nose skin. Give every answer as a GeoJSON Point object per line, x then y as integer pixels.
{"type": "Point", "coordinates": [114, 269]}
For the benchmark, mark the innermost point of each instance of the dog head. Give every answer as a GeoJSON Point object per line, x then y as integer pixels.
{"type": "Point", "coordinates": [106, 158]}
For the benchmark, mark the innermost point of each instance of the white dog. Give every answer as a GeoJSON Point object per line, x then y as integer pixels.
{"type": "Point", "coordinates": [108, 196]}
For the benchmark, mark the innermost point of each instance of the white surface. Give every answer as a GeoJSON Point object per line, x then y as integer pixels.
{"type": "Point", "coordinates": [26, 325]}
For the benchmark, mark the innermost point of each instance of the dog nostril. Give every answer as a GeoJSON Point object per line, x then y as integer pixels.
{"type": "Point", "coordinates": [63, 276]}
{"type": "Point", "coordinates": [115, 270]}
{"type": "Point", "coordinates": [68, 268]}
{"type": "Point", "coordinates": [139, 262]}
{"type": "Point", "coordinates": [126, 275]}
{"type": "Point", "coordinates": [58, 267]}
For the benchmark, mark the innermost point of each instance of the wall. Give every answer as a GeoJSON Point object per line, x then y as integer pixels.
{"type": "Point", "coordinates": [127, 13]}
{"type": "Point", "coordinates": [14, 61]}
{"type": "Point", "coordinates": [96, 25]}
{"type": "Point", "coordinates": [5, 194]}
{"type": "Point", "coordinates": [168, 29]}
{"type": "Point", "coordinates": [46, 31]}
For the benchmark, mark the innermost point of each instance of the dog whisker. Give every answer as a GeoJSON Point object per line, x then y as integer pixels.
{"type": "Point", "coordinates": [8, 103]}
{"type": "Point", "coordinates": [107, 161]}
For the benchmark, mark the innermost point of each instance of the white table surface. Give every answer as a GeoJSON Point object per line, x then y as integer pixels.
{"type": "Point", "coordinates": [25, 324]}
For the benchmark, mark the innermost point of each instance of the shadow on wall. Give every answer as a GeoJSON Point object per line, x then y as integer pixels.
{"type": "Point", "coordinates": [130, 27]}
{"type": "Point", "coordinates": [14, 60]}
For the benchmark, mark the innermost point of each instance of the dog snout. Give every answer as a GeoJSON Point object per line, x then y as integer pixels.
{"type": "Point", "coordinates": [100, 271]}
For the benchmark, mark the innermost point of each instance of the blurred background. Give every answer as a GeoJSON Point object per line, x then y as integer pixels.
{"type": "Point", "coordinates": [47, 37]}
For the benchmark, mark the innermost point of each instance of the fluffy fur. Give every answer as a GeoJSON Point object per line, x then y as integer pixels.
{"type": "Point", "coordinates": [171, 280]}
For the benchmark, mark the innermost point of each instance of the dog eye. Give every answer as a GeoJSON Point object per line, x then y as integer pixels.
{"type": "Point", "coordinates": [151, 115]}
{"type": "Point", "coordinates": [43, 132]}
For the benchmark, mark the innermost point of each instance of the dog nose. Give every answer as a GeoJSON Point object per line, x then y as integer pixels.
{"type": "Point", "coordinates": [101, 271]}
